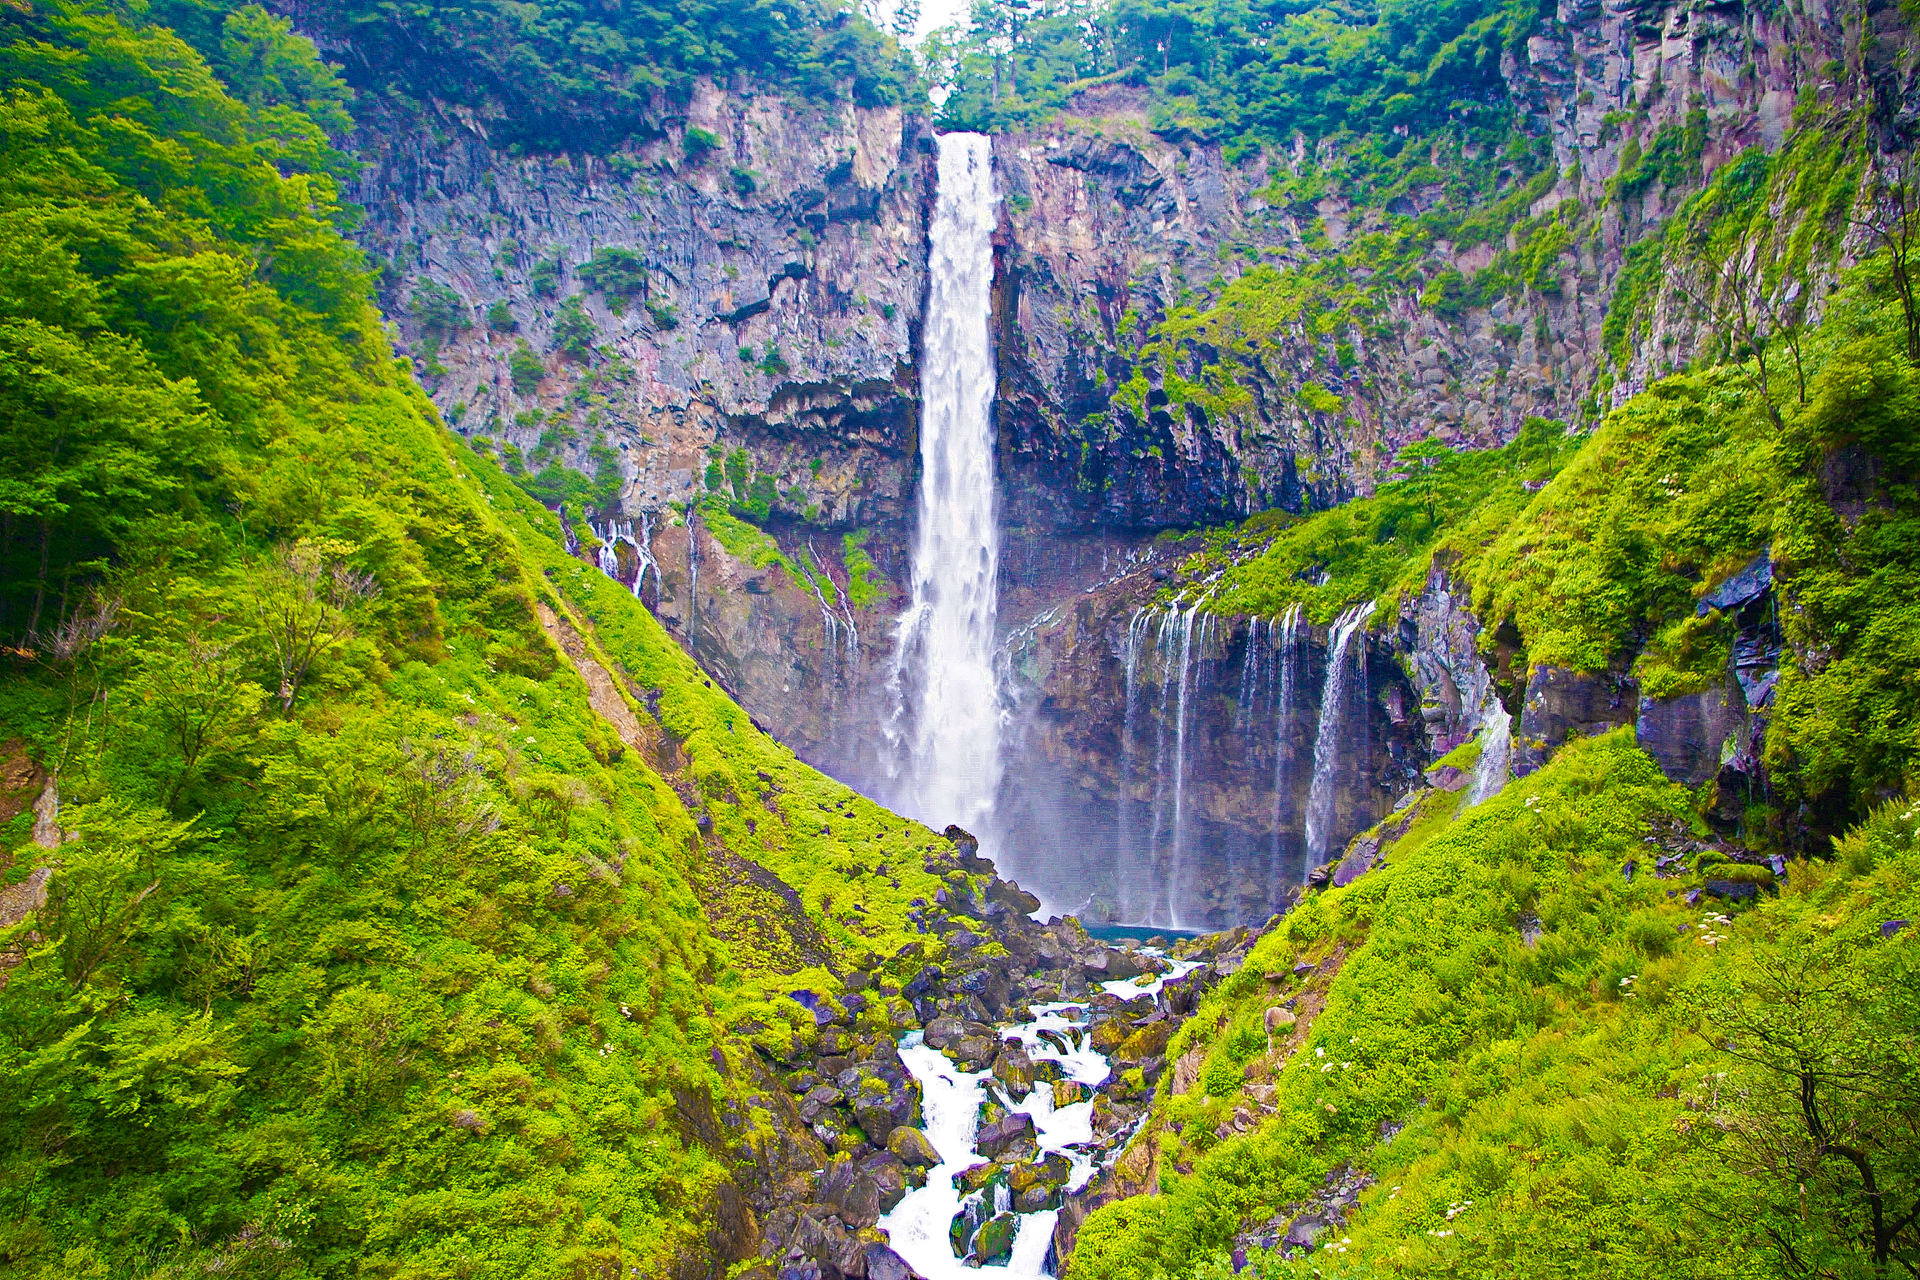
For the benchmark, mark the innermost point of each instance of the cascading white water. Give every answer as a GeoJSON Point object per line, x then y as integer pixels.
{"type": "Point", "coordinates": [1132, 871]}
{"type": "Point", "coordinates": [1496, 754]}
{"type": "Point", "coordinates": [1285, 698]}
{"type": "Point", "coordinates": [944, 733]}
{"type": "Point", "coordinates": [1327, 740]}
{"type": "Point", "coordinates": [1176, 879]}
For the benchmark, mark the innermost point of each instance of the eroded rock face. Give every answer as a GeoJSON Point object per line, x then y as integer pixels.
{"type": "Point", "coordinates": [769, 349]}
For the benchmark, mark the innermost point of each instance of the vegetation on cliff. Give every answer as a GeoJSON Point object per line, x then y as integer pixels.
{"type": "Point", "coordinates": [1594, 553]}
{"type": "Point", "coordinates": [1226, 70]}
{"type": "Point", "coordinates": [558, 76]}
{"type": "Point", "coordinates": [1568, 1031]}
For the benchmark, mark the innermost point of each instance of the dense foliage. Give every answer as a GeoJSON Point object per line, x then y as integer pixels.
{"type": "Point", "coordinates": [562, 75]}
{"type": "Point", "coordinates": [397, 921]}
{"type": "Point", "coordinates": [1244, 71]}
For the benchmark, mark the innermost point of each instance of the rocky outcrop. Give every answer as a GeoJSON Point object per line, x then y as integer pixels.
{"type": "Point", "coordinates": [763, 294]}
{"type": "Point", "coordinates": [1562, 704]}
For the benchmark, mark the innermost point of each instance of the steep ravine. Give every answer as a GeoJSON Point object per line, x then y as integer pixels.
{"type": "Point", "coordinates": [766, 362]}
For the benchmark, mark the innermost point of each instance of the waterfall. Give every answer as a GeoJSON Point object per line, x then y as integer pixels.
{"type": "Point", "coordinates": [1327, 741]}
{"type": "Point", "coordinates": [1252, 673]}
{"type": "Point", "coordinates": [1181, 733]}
{"type": "Point", "coordinates": [618, 532]}
{"type": "Point", "coordinates": [1496, 754]}
{"type": "Point", "coordinates": [1129, 871]}
{"type": "Point", "coordinates": [944, 733]}
{"type": "Point", "coordinates": [1286, 697]}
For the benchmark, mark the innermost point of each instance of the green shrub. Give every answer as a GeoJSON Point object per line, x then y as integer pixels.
{"type": "Point", "coordinates": [573, 329]}
{"type": "Point", "coordinates": [526, 368]}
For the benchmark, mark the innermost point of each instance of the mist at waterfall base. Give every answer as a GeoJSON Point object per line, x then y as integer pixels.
{"type": "Point", "coordinates": [1249, 751]}
{"type": "Point", "coordinates": [943, 733]}
{"type": "Point", "coordinates": [1242, 758]}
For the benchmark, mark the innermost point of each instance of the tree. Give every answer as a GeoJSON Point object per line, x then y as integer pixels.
{"type": "Point", "coordinates": [1893, 218]}
{"type": "Point", "coordinates": [1727, 284]}
{"type": "Point", "coordinates": [615, 272]}
{"type": "Point", "coordinates": [190, 689]}
{"type": "Point", "coordinates": [525, 368]}
{"type": "Point", "coordinates": [302, 602]}
{"type": "Point", "coordinates": [573, 329]}
{"type": "Point", "coordinates": [106, 876]}
{"type": "Point", "coordinates": [1828, 1106]}
{"type": "Point", "coordinates": [1417, 468]}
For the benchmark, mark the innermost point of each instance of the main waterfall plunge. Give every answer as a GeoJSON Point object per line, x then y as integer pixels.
{"type": "Point", "coordinates": [943, 736]}
{"type": "Point", "coordinates": [1159, 852]}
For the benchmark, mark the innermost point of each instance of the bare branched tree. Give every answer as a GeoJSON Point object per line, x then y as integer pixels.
{"type": "Point", "coordinates": [1728, 286]}
{"type": "Point", "coordinates": [1891, 215]}
{"type": "Point", "coordinates": [303, 607]}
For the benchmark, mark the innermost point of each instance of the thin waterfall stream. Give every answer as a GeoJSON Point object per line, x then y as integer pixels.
{"type": "Point", "coordinates": [1327, 742]}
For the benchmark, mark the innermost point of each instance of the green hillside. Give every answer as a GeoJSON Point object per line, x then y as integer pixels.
{"type": "Point", "coordinates": [417, 901]}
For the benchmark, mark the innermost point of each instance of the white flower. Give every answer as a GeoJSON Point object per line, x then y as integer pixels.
{"type": "Point", "coordinates": [1320, 1052]}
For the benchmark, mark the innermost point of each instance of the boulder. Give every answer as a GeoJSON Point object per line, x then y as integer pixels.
{"type": "Point", "coordinates": [884, 1264]}
{"type": "Point", "coordinates": [974, 1052]}
{"type": "Point", "coordinates": [912, 1147]}
{"type": "Point", "coordinates": [819, 1099]}
{"type": "Point", "coordinates": [1279, 1020]}
{"type": "Point", "coordinates": [1009, 1138]}
{"type": "Point", "coordinates": [1014, 1069]}
{"type": "Point", "coordinates": [993, 1243]}
{"type": "Point", "coordinates": [944, 1032]}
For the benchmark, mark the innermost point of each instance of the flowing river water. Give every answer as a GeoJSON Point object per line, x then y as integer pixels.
{"type": "Point", "coordinates": [952, 1100]}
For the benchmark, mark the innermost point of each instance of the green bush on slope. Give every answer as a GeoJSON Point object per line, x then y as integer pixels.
{"type": "Point", "coordinates": [374, 948]}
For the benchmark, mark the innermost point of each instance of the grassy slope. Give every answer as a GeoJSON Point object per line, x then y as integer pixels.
{"type": "Point", "coordinates": [1565, 1110]}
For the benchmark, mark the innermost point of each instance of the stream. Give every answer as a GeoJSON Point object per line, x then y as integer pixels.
{"type": "Point", "coordinates": [952, 1099]}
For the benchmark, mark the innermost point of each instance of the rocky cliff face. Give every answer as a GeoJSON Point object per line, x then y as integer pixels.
{"type": "Point", "coordinates": [754, 335]}
{"type": "Point", "coordinates": [1110, 228]}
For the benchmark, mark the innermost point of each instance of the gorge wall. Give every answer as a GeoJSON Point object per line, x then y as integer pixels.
{"type": "Point", "coordinates": [1183, 337]}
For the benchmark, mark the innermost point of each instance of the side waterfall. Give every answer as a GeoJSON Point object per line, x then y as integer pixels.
{"type": "Point", "coordinates": [1327, 741]}
{"type": "Point", "coordinates": [1496, 754]}
{"type": "Point", "coordinates": [944, 733]}
{"type": "Point", "coordinates": [1286, 697]}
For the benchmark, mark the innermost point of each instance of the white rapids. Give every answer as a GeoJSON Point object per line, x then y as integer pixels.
{"type": "Point", "coordinates": [950, 1103]}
